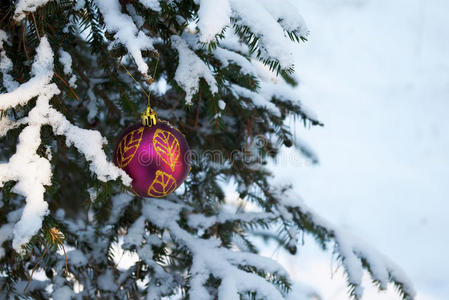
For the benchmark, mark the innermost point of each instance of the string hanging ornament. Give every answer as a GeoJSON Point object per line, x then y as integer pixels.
{"type": "Point", "coordinates": [153, 153]}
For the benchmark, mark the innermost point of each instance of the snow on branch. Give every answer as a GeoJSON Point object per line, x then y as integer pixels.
{"type": "Point", "coordinates": [6, 233]}
{"type": "Point", "coordinates": [25, 6]}
{"type": "Point", "coordinates": [209, 258]}
{"type": "Point", "coordinates": [41, 74]}
{"type": "Point", "coordinates": [126, 31]}
{"type": "Point", "coordinates": [288, 16]}
{"type": "Point", "coordinates": [257, 98]}
{"type": "Point", "coordinates": [213, 16]}
{"type": "Point", "coordinates": [190, 69]}
{"type": "Point", "coordinates": [267, 20]}
{"type": "Point", "coordinates": [231, 51]}
{"type": "Point", "coordinates": [151, 4]}
{"type": "Point", "coordinates": [66, 61]}
{"type": "Point", "coordinates": [270, 86]}
{"type": "Point", "coordinates": [263, 22]}
{"type": "Point", "coordinates": [6, 65]}
{"type": "Point", "coordinates": [31, 171]}
{"type": "Point", "coordinates": [204, 222]}
{"type": "Point", "coordinates": [353, 253]}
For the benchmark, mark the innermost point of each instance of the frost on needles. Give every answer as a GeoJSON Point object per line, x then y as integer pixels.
{"type": "Point", "coordinates": [225, 79]}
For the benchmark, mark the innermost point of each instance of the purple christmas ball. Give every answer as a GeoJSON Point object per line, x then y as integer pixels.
{"type": "Point", "coordinates": [157, 158]}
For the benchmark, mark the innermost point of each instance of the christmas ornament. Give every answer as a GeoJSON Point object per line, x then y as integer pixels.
{"type": "Point", "coordinates": [154, 154]}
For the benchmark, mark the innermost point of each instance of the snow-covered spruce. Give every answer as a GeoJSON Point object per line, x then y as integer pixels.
{"type": "Point", "coordinates": [230, 61]}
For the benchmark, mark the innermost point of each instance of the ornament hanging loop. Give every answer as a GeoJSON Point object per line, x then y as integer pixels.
{"type": "Point", "coordinates": [148, 117]}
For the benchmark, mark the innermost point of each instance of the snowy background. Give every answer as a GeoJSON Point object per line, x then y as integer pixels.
{"type": "Point", "coordinates": [377, 74]}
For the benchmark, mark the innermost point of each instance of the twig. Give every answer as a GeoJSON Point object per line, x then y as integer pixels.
{"type": "Point", "coordinates": [6, 14]}
{"type": "Point", "coordinates": [34, 268]}
{"type": "Point", "coordinates": [24, 45]}
{"type": "Point", "coordinates": [11, 263]}
{"type": "Point", "coordinates": [216, 112]}
{"type": "Point", "coordinates": [35, 27]}
{"type": "Point", "coordinates": [65, 259]}
{"type": "Point", "coordinates": [198, 110]}
{"type": "Point", "coordinates": [67, 85]}
{"type": "Point", "coordinates": [138, 270]}
{"type": "Point", "coordinates": [176, 103]}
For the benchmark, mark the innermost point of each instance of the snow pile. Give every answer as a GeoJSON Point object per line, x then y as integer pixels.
{"type": "Point", "coordinates": [31, 171]}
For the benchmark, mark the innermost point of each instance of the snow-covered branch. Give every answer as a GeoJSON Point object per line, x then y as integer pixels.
{"type": "Point", "coordinates": [26, 6]}
{"type": "Point", "coordinates": [126, 32]}
{"type": "Point", "coordinates": [41, 75]}
{"type": "Point", "coordinates": [31, 171]}
{"type": "Point", "coordinates": [66, 60]}
{"type": "Point", "coordinates": [268, 20]}
{"type": "Point", "coordinates": [213, 17]}
{"type": "Point", "coordinates": [353, 253]}
{"type": "Point", "coordinates": [151, 4]}
{"type": "Point", "coordinates": [190, 69]}
{"type": "Point", "coordinates": [211, 259]}
{"type": "Point", "coordinates": [6, 65]}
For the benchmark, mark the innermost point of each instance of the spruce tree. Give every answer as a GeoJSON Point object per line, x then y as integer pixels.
{"type": "Point", "coordinates": [74, 74]}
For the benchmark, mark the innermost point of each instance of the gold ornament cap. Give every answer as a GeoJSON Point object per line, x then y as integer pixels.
{"type": "Point", "coordinates": [148, 117]}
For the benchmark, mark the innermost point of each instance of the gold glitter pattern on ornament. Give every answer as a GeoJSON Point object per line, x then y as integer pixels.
{"type": "Point", "coordinates": [163, 184]}
{"type": "Point", "coordinates": [167, 147]}
{"type": "Point", "coordinates": [128, 147]}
